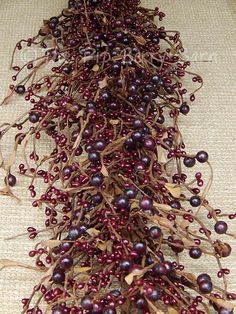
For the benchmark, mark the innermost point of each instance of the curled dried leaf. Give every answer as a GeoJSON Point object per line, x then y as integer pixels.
{"type": "Point", "coordinates": [174, 189]}
{"type": "Point", "coordinates": [103, 83]}
{"type": "Point", "coordinates": [95, 68]}
{"type": "Point", "coordinates": [93, 232]}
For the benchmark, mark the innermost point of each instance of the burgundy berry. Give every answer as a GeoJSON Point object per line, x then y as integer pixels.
{"type": "Point", "coordinates": [76, 232]}
{"type": "Point", "coordinates": [67, 171]}
{"type": "Point", "coordinates": [20, 89]}
{"type": "Point", "coordinates": [169, 267]}
{"type": "Point", "coordinates": [67, 69]}
{"type": "Point", "coordinates": [140, 247]}
{"type": "Point", "coordinates": [125, 265]}
{"type": "Point", "coordinates": [203, 277]}
{"type": "Point", "coordinates": [66, 262]}
{"type": "Point", "coordinates": [58, 310]}
{"type": "Point", "coordinates": [87, 303]}
{"type": "Point", "coordinates": [100, 145]}
{"type": "Point", "coordinates": [146, 160]}
{"type": "Point", "coordinates": [94, 156]}
{"type": "Point", "coordinates": [195, 201]}
{"type": "Point", "coordinates": [97, 180]}
{"type": "Point", "coordinates": [131, 193]}
{"type": "Point", "coordinates": [11, 180]}
{"type": "Point", "coordinates": [149, 143]}
{"type": "Point", "coordinates": [154, 295]}
{"type": "Point", "coordinates": [177, 246]}
{"type": "Point", "coordinates": [184, 109]}
{"type": "Point", "coordinates": [189, 162]}
{"type": "Point", "coordinates": [195, 253]}
{"type": "Point", "coordinates": [205, 287]}
{"type": "Point", "coordinates": [138, 123]}
{"type": "Point", "coordinates": [202, 156]}
{"type": "Point", "coordinates": [56, 33]}
{"type": "Point", "coordinates": [146, 203]}
{"type": "Point", "coordinates": [159, 269]}
{"type": "Point", "coordinates": [122, 202]}
{"type": "Point", "coordinates": [221, 227]}
{"type": "Point", "coordinates": [175, 204]}
{"type": "Point", "coordinates": [58, 276]}
{"type": "Point", "coordinates": [141, 303]}
{"type": "Point", "coordinates": [33, 117]}
{"type": "Point", "coordinates": [155, 232]}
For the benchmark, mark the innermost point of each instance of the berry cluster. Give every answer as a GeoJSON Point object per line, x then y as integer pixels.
{"type": "Point", "coordinates": [117, 200]}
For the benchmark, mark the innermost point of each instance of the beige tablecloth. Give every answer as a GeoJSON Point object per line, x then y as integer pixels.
{"type": "Point", "coordinates": [208, 29]}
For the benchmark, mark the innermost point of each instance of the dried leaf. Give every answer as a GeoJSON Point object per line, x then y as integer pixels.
{"type": "Point", "coordinates": [101, 246]}
{"type": "Point", "coordinates": [129, 278]}
{"type": "Point", "coordinates": [82, 269]}
{"type": "Point", "coordinates": [164, 222]}
{"type": "Point", "coordinates": [104, 20]}
{"type": "Point", "coordinates": [140, 39]}
{"type": "Point", "coordinates": [161, 155]}
{"type": "Point", "coordinates": [86, 59]}
{"type": "Point", "coordinates": [103, 83]}
{"type": "Point", "coordinates": [171, 310]}
{"type": "Point", "coordinates": [184, 224]}
{"type": "Point", "coordinates": [188, 242]}
{"type": "Point", "coordinates": [174, 190]}
{"type": "Point", "coordinates": [154, 308]}
{"type": "Point", "coordinates": [115, 121]}
{"type": "Point", "coordinates": [93, 232]}
{"type": "Point", "coordinates": [68, 12]}
{"type": "Point", "coordinates": [189, 276]}
{"type": "Point", "coordinates": [51, 243]}
{"type": "Point", "coordinates": [103, 44]}
{"type": "Point", "coordinates": [104, 171]}
{"type": "Point", "coordinates": [95, 68]}
{"type": "Point", "coordinates": [109, 245]}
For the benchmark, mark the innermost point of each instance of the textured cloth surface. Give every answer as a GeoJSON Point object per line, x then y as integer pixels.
{"type": "Point", "coordinates": [208, 32]}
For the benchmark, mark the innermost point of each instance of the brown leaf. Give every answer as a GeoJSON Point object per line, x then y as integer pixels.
{"type": "Point", "coordinates": [50, 243]}
{"type": "Point", "coordinates": [101, 246]}
{"type": "Point", "coordinates": [103, 83]}
{"type": "Point", "coordinates": [129, 278]}
{"type": "Point", "coordinates": [93, 232]}
{"type": "Point", "coordinates": [140, 39]}
{"type": "Point", "coordinates": [82, 269]}
{"type": "Point", "coordinates": [115, 121]}
{"type": "Point", "coordinates": [174, 189]}
{"type": "Point", "coordinates": [103, 44]}
{"type": "Point", "coordinates": [161, 155]}
{"type": "Point", "coordinates": [154, 308]}
{"type": "Point", "coordinates": [104, 171]}
{"type": "Point", "coordinates": [171, 310]}
{"type": "Point", "coordinates": [95, 68]}
{"type": "Point", "coordinates": [86, 59]}
{"type": "Point", "coordinates": [68, 12]}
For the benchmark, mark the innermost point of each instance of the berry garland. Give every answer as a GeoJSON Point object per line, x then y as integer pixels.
{"type": "Point", "coordinates": [117, 201]}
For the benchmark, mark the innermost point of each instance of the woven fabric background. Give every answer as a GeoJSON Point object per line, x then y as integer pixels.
{"type": "Point", "coordinates": [208, 29]}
